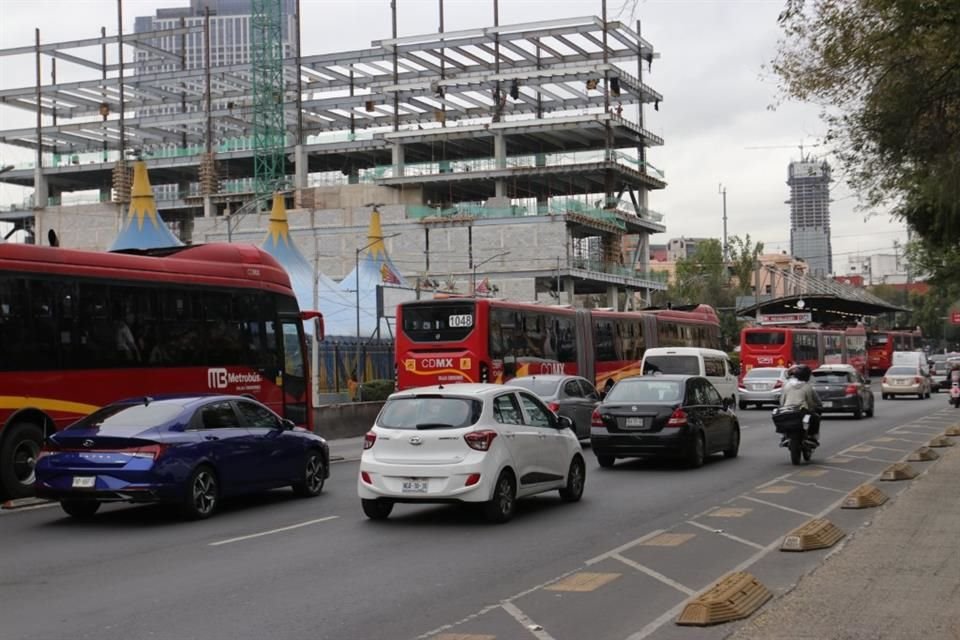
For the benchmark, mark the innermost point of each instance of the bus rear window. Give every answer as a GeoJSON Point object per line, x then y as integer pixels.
{"type": "Point", "coordinates": [765, 337]}
{"type": "Point", "coordinates": [438, 322]}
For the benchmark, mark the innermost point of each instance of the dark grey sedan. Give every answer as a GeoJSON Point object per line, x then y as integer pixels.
{"type": "Point", "coordinates": [570, 396]}
{"type": "Point", "coordinates": [664, 416]}
{"type": "Point", "coordinates": [843, 391]}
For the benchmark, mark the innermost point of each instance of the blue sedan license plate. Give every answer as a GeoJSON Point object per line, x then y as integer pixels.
{"type": "Point", "coordinates": [415, 485]}
{"type": "Point", "coordinates": [84, 482]}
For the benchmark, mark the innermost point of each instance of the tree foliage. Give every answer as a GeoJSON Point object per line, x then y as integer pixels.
{"type": "Point", "coordinates": [743, 262]}
{"type": "Point", "coordinates": [887, 76]}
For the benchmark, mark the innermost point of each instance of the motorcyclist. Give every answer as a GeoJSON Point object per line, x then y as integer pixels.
{"type": "Point", "coordinates": [799, 392]}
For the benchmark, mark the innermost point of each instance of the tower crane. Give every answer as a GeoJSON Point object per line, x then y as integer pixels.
{"type": "Point", "coordinates": [787, 146]}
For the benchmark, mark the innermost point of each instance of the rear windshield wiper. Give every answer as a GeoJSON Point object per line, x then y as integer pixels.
{"type": "Point", "coordinates": [434, 425]}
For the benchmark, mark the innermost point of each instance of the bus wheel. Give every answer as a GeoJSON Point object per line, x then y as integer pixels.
{"type": "Point", "coordinates": [18, 457]}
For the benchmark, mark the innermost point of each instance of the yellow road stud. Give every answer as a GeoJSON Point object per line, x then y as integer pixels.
{"type": "Point", "coordinates": [815, 534]}
{"type": "Point", "coordinates": [922, 454]}
{"type": "Point", "coordinates": [735, 596]}
{"type": "Point", "coordinates": [899, 471]}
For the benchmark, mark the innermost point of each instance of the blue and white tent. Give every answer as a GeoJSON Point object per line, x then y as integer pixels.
{"type": "Point", "coordinates": [329, 298]}
{"type": "Point", "coordinates": [143, 228]}
{"type": "Point", "coordinates": [375, 269]}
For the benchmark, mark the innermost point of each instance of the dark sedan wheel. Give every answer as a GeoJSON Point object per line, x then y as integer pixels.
{"type": "Point", "coordinates": [501, 506]}
{"type": "Point", "coordinates": [576, 478]}
{"type": "Point", "coordinates": [741, 405]}
{"type": "Point", "coordinates": [79, 508]}
{"type": "Point", "coordinates": [698, 452]}
{"type": "Point", "coordinates": [202, 494]}
{"type": "Point", "coordinates": [734, 448]}
{"type": "Point", "coordinates": [870, 410]}
{"type": "Point", "coordinates": [858, 412]}
{"type": "Point", "coordinates": [376, 509]}
{"type": "Point", "coordinates": [606, 461]}
{"type": "Point", "coordinates": [314, 474]}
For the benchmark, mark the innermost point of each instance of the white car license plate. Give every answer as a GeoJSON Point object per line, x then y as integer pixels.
{"type": "Point", "coordinates": [827, 404]}
{"type": "Point", "coordinates": [636, 423]}
{"type": "Point", "coordinates": [84, 482]}
{"type": "Point", "coordinates": [415, 485]}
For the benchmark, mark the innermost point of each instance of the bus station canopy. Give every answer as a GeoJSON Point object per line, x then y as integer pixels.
{"type": "Point", "coordinates": [823, 308]}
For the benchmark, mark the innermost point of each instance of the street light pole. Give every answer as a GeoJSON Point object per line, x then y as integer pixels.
{"type": "Point", "coordinates": [480, 264]}
{"type": "Point", "coordinates": [723, 192]}
{"type": "Point", "coordinates": [356, 288]}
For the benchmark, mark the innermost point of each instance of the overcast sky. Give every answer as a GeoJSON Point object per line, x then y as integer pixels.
{"type": "Point", "coordinates": [716, 98]}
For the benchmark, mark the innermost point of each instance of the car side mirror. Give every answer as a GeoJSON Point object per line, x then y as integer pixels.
{"type": "Point", "coordinates": [287, 424]}
{"type": "Point", "coordinates": [563, 422]}
{"type": "Point", "coordinates": [727, 403]}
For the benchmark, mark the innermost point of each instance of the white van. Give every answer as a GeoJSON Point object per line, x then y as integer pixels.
{"type": "Point", "coordinates": [713, 364]}
{"type": "Point", "coordinates": [911, 359]}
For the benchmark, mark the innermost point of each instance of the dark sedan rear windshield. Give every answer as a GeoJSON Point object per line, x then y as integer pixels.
{"type": "Point", "coordinates": [429, 412]}
{"type": "Point", "coordinates": [538, 386]}
{"type": "Point", "coordinates": [831, 377]}
{"type": "Point", "coordinates": [683, 365]}
{"type": "Point", "coordinates": [127, 419]}
{"type": "Point", "coordinates": [764, 373]}
{"type": "Point", "coordinates": [646, 390]}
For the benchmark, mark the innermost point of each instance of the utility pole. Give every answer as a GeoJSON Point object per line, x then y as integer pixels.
{"type": "Point", "coordinates": [723, 192]}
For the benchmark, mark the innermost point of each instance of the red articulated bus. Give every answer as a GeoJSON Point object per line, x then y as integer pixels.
{"type": "Point", "coordinates": [82, 329]}
{"type": "Point", "coordinates": [486, 340]}
{"type": "Point", "coordinates": [882, 344]}
{"type": "Point", "coordinates": [780, 346]}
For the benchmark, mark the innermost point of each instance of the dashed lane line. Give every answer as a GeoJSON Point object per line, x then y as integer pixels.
{"type": "Point", "coordinates": [624, 547]}
{"type": "Point", "coordinates": [531, 626]}
{"type": "Point", "coordinates": [272, 531]}
{"type": "Point", "coordinates": [656, 575]}
{"type": "Point", "coordinates": [817, 486]}
{"type": "Point", "coordinates": [779, 506]}
{"type": "Point", "coordinates": [726, 535]}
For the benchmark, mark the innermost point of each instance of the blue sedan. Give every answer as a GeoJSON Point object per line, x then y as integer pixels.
{"type": "Point", "coordinates": [187, 450]}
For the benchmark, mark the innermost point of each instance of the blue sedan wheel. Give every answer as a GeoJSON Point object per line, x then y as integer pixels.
{"type": "Point", "coordinates": [202, 494]}
{"type": "Point", "coordinates": [313, 476]}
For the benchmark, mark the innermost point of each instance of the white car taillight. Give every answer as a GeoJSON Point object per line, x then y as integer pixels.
{"type": "Point", "coordinates": [480, 440]}
{"type": "Point", "coordinates": [369, 439]}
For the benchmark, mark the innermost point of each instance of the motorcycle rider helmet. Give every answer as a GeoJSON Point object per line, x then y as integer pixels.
{"type": "Point", "coordinates": [801, 372]}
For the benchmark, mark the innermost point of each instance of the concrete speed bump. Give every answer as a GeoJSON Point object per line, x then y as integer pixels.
{"type": "Point", "coordinates": [922, 454]}
{"type": "Point", "coordinates": [941, 441]}
{"type": "Point", "coordinates": [735, 596]}
{"type": "Point", "coordinates": [899, 471]}
{"type": "Point", "coordinates": [816, 534]}
{"type": "Point", "coordinates": [864, 496]}
{"type": "Point", "coordinates": [952, 431]}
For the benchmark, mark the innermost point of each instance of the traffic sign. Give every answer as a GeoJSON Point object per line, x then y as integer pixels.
{"type": "Point", "coordinates": [955, 317]}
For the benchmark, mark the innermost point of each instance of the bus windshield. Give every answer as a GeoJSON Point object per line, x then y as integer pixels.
{"type": "Point", "coordinates": [765, 337]}
{"type": "Point", "coordinates": [430, 322]}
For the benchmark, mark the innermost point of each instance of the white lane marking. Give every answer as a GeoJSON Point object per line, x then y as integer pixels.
{"type": "Point", "coordinates": [728, 536]}
{"type": "Point", "coordinates": [838, 468]}
{"type": "Point", "coordinates": [624, 547]}
{"type": "Point", "coordinates": [272, 531]}
{"type": "Point", "coordinates": [869, 459]}
{"type": "Point", "coordinates": [817, 486]}
{"type": "Point", "coordinates": [778, 506]}
{"type": "Point", "coordinates": [654, 574]}
{"type": "Point", "coordinates": [522, 618]}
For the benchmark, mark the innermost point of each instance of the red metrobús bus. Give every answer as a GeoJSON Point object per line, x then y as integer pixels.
{"type": "Point", "coordinates": [882, 344]}
{"type": "Point", "coordinates": [779, 346]}
{"type": "Point", "coordinates": [82, 329]}
{"type": "Point", "coordinates": [452, 340]}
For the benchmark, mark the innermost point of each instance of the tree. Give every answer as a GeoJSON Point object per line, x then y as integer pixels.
{"type": "Point", "coordinates": [887, 76]}
{"type": "Point", "coordinates": [743, 262]}
{"type": "Point", "coordinates": [702, 277]}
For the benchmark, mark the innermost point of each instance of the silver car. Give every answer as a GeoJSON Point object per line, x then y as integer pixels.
{"type": "Point", "coordinates": [760, 386]}
{"type": "Point", "coordinates": [565, 395]}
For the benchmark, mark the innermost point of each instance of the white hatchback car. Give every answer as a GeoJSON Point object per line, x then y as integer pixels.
{"type": "Point", "coordinates": [476, 443]}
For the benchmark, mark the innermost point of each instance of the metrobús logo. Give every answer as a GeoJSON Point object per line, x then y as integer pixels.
{"type": "Point", "coordinates": [221, 378]}
{"type": "Point", "coordinates": [437, 363]}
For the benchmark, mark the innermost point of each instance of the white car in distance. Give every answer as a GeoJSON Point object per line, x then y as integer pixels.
{"type": "Point", "coordinates": [473, 443]}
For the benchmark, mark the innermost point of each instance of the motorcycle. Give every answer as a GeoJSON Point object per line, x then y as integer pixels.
{"type": "Point", "coordinates": [793, 424]}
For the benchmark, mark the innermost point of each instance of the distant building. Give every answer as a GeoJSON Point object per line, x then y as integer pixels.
{"type": "Point", "coordinates": [879, 268]}
{"type": "Point", "coordinates": [809, 202]}
{"type": "Point", "coordinates": [682, 248]}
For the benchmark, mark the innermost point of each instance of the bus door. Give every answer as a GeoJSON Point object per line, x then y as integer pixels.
{"type": "Point", "coordinates": [294, 378]}
{"type": "Point", "coordinates": [584, 340]}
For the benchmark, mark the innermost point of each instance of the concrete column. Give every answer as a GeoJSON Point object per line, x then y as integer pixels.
{"type": "Point", "coordinates": [300, 167]}
{"type": "Point", "coordinates": [568, 288]}
{"type": "Point", "coordinates": [208, 209]}
{"type": "Point", "coordinates": [354, 176]}
{"type": "Point", "coordinates": [40, 192]}
{"type": "Point", "coordinates": [500, 160]}
{"type": "Point", "coordinates": [612, 296]}
{"type": "Point", "coordinates": [398, 161]}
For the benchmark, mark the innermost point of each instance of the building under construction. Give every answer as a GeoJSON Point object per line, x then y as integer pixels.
{"type": "Point", "coordinates": [516, 154]}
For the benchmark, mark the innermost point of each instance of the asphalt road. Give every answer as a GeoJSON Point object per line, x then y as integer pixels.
{"type": "Point", "coordinates": [620, 564]}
